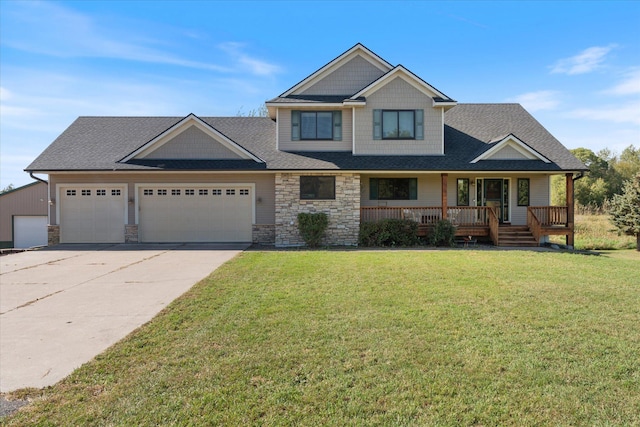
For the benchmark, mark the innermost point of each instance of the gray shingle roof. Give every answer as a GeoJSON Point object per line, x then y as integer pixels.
{"type": "Point", "coordinates": [98, 143]}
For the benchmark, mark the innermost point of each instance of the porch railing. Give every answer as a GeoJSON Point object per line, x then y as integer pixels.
{"type": "Point", "coordinates": [459, 215]}
{"type": "Point", "coordinates": [549, 216]}
{"type": "Point", "coordinates": [494, 226]}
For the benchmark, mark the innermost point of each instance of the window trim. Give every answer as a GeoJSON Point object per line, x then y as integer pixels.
{"type": "Point", "coordinates": [316, 195]}
{"type": "Point", "coordinates": [528, 191]}
{"type": "Point", "coordinates": [296, 125]}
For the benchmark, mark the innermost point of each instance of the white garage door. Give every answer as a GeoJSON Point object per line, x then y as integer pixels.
{"type": "Point", "coordinates": [29, 231]}
{"type": "Point", "coordinates": [196, 213]}
{"type": "Point", "coordinates": [92, 214]}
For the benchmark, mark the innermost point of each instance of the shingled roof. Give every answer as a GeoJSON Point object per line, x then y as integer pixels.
{"type": "Point", "coordinates": [99, 143]}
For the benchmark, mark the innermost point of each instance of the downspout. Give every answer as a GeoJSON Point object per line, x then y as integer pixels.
{"type": "Point", "coordinates": [38, 179]}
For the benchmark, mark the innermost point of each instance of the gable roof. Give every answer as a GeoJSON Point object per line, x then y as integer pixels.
{"type": "Point", "coordinates": [514, 142]}
{"type": "Point", "coordinates": [99, 143]}
{"type": "Point", "coordinates": [191, 120]}
{"type": "Point", "coordinates": [357, 49]}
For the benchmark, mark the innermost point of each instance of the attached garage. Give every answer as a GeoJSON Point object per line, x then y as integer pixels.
{"type": "Point", "coordinates": [29, 231]}
{"type": "Point", "coordinates": [195, 212]}
{"type": "Point", "coordinates": [92, 213]}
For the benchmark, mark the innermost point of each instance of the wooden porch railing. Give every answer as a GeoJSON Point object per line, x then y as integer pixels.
{"type": "Point", "coordinates": [548, 220]}
{"type": "Point", "coordinates": [459, 215]}
{"type": "Point", "coordinates": [494, 226]}
{"type": "Point", "coordinates": [549, 215]}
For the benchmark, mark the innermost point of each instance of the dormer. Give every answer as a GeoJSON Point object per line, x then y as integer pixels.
{"type": "Point", "coordinates": [360, 103]}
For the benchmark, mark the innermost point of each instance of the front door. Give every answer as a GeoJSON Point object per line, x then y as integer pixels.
{"type": "Point", "coordinates": [494, 196]}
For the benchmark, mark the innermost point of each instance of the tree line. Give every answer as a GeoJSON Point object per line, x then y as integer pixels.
{"type": "Point", "coordinates": [607, 176]}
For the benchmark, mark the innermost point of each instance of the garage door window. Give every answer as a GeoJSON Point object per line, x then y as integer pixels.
{"type": "Point", "coordinates": [175, 192]}
{"type": "Point", "coordinates": [101, 192]}
{"type": "Point", "coordinates": [148, 192]}
{"type": "Point", "coordinates": [162, 192]}
{"type": "Point", "coordinates": [216, 192]}
{"type": "Point", "coordinates": [86, 192]}
{"type": "Point", "coordinates": [115, 192]}
{"type": "Point", "coordinates": [231, 192]}
{"type": "Point", "coordinates": [71, 192]}
{"type": "Point", "coordinates": [244, 192]}
{"type": "Point", "coordinates": [203, 192]}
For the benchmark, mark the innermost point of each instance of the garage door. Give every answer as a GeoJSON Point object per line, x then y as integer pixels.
{"type": "Point", "coordinates": [204, 213]}
{"type": "Point", "coordinates": [92, 214]}
{"type": "Point", "coordinates": [29, 231]}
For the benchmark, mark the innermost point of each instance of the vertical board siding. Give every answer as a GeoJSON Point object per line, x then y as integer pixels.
{"type": "Point", "coordinates": [27, 200]}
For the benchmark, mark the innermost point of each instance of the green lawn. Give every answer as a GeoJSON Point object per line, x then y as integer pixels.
{"type": "Point", "coordinates": [351, 338]}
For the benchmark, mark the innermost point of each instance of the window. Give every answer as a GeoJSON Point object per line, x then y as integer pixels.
{"type": "Point", "coordinates": [216, 192]}
{"type": "Point", "coordinates": [231, 192]}
{"type": "Point", "coordinates": [393, 188]}
{"type": "Point", "coordinates": [147, 192]}
{"type": "Point", "coordinates": [162, 192]}
{"type": "Point", "coordinates": [115, 192]}
{"type": "Point", "coordinates": [523, 191]}
{"type": "Point", "coordinates": [244, 192]}
{"type": "Point", "coordinates": [318, 187]}
{"type": "Point", "coordinates": [189, 192]}
{"type": "Point", "coordinates": [463, 192]}
{"type": "Point", "coordinates": [101, 192]}
{"type": "Point", "coordinates": [316, 125]}
{"type": "Point", "coordinates": [175, 192]}
{"type": "Point", "coordinates": [86, 192]}
{"type": "Point", "coordinates": [71, 192]}
{"type": "Point", "coordinates": [398, 124]}
{"type": "Point", "coordinates": [203, 192]}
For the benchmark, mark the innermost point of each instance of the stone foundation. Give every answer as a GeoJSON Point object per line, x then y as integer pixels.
{"type": "Point", "coordinates": [343, 211]}
{"type": "Point", "coordinates": [264, 234]}
{"type": "Point", "coordinates": [131, 233]}
{"type": "Point", "coordinates": [53, 235]}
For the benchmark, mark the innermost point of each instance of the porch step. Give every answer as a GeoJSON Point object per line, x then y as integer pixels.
{"type": "Point", "coordinates": [516, 236]}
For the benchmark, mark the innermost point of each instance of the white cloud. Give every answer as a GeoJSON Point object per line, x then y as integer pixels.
{"type": "Point", "coordinates": [540, 100]}
{"type": "Point", "coordinates": [586, 61]}
{"type": "Point", "coordinates": [253, 65]}
{"type": "Point", "coordinates": [623, 113]}
{"type": "Point", "coordinates": [630, 85]}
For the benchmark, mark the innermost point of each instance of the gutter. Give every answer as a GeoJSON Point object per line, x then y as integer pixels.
{"type": "Point", "coordinates": [580, 175]}
{"type": "Point", "coordinates": [38, 179]}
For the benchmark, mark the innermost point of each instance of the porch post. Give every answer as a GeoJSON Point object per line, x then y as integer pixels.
{"type": "Point", "coordinates": [570, 208]}
{"type": "Point", "coordinates": [444, 177]}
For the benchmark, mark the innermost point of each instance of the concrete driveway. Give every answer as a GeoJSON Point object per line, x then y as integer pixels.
{"type": "Point", "coordinates": [61, 306]}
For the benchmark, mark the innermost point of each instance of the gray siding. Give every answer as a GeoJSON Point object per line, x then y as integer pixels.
{"type": "Point", "coordinates": [348, 79]}
{"type": "Point", "coordinates": [284, 134]}
{"type": "Point", "coordinates": [265, 187]}
{"type": "Point", "coordinates": [398, 94]}
{"type": "Point", "coordinates": [507, 153]}
{"type": "Point", "coordinates": [192, 144]}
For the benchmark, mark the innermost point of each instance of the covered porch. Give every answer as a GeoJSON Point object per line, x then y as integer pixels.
{"type": "Point", "coordinates": [485, 221]}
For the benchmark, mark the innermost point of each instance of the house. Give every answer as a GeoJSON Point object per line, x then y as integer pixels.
{"type": "Point", "coordinates": [23, 216]}
{"type": "Point", "coordinates": [359, 139]}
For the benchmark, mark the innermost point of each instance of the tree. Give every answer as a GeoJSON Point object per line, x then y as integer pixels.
{"type": "Point", "coordinates": [7, 188]}
{"type": "Point", "coordinates": [261, 111]}
{"type": "Point", "coordinates": [625, 209]}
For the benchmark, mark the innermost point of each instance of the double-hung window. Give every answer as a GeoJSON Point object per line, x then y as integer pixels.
{"type": "Point", "coordinates": [316, 125]}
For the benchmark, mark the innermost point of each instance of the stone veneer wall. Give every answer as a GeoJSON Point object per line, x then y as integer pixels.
{"type": "Point", "coordinates": [264, 234]}
{"type": "Point", "coordinates": [343, 212]}
{"type": "Point", "coordinates": [53, 235]}
{"type": "Point", "coordinates": [131, 233]}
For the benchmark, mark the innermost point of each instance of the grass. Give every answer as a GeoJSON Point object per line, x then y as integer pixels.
{"type": "Point", "coordinates": [596, 232]}
{"type": "Point", "coordinates": [353, 338]}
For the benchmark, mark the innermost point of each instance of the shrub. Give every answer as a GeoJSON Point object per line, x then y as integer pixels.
{"type": "Point", "coordinates": [389, 232]}
{"type": "Point", "coordinates": [444, 234]}
{"type": "Point", "coordinates": [312, 227]}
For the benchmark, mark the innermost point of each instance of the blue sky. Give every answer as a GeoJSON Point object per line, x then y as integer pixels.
{"type": "Point", "coordinates": [574, 65]}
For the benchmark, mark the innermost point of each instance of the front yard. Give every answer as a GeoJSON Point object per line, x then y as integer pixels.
{"type": "Point", "coordinates": [450, 337]}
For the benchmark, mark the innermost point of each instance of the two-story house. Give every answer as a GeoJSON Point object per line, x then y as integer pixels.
{"type": "Point", "coordinates": [359, 139]}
